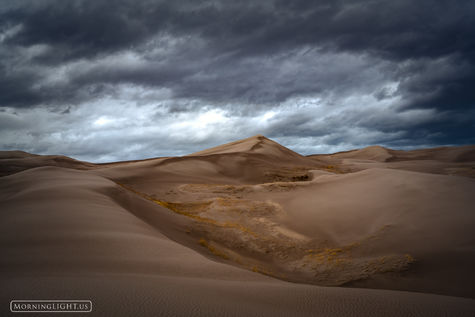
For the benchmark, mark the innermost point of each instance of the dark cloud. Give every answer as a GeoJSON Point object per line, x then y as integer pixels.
{"type": "Point", "coordinates": [82, 29]}
{"type": "Point", "coordinates": [17, 89]}
{"type": "Point", "coordinates": [442, 83]}
{"type": "Point", "coordinates": [397, 67]}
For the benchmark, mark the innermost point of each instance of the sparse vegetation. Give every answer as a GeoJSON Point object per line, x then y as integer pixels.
{"type": "Point", "coordinates": [212, 249]}
{"type": "Point", "coordinates": [327, 265]}
{"type": "Point", "coordinates": [192, 211]}
{"type": "Point", "coordinates": [333, 169]}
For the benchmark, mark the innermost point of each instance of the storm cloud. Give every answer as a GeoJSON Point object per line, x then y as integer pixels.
{"type": "Point", "coordinates": [108, 80]}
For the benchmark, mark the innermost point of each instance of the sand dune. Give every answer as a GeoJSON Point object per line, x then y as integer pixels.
{"type": "Point", "coordinates": [223, 232]}
{"type": "Point", "coordinates": [257, 144]}
{"type": "Point", "coordinates": [381, 154]}
{"type": "Point", "coordinates": [444, 160]}
{"type": "Point", "coordinates": [12, 162]}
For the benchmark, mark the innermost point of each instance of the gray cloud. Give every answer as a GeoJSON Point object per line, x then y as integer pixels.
{"type": "Point", "coordinates": [339, 74]}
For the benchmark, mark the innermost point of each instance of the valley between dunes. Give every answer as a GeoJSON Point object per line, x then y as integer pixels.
{"type": "Point", "coordinates": [246, 228]}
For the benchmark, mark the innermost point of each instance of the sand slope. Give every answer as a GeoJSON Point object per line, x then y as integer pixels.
{"type": "Point", "coordinates": [182, 236]}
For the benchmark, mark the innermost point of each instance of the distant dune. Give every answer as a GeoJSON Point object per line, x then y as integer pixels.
{"type": "Point", "coordinates": [16, 161]}
{"type": "Point", "coordinates": [246, 228]}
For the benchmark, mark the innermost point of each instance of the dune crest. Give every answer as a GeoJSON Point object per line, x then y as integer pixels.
{"type": "Point", "coordinates": [257, 144]}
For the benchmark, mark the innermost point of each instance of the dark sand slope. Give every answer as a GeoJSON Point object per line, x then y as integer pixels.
{"type": "Point", "coordinates": [125, 235]}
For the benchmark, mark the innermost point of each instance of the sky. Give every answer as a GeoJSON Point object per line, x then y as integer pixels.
{"type": "Point", "coordinates": [114, 80]}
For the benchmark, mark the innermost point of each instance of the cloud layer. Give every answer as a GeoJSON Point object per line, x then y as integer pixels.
{"type": "Point", "coordinates": [110, 80]}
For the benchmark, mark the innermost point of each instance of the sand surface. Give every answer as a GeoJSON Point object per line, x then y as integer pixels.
{"type": "Point", "coordinates": [247, 228]}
